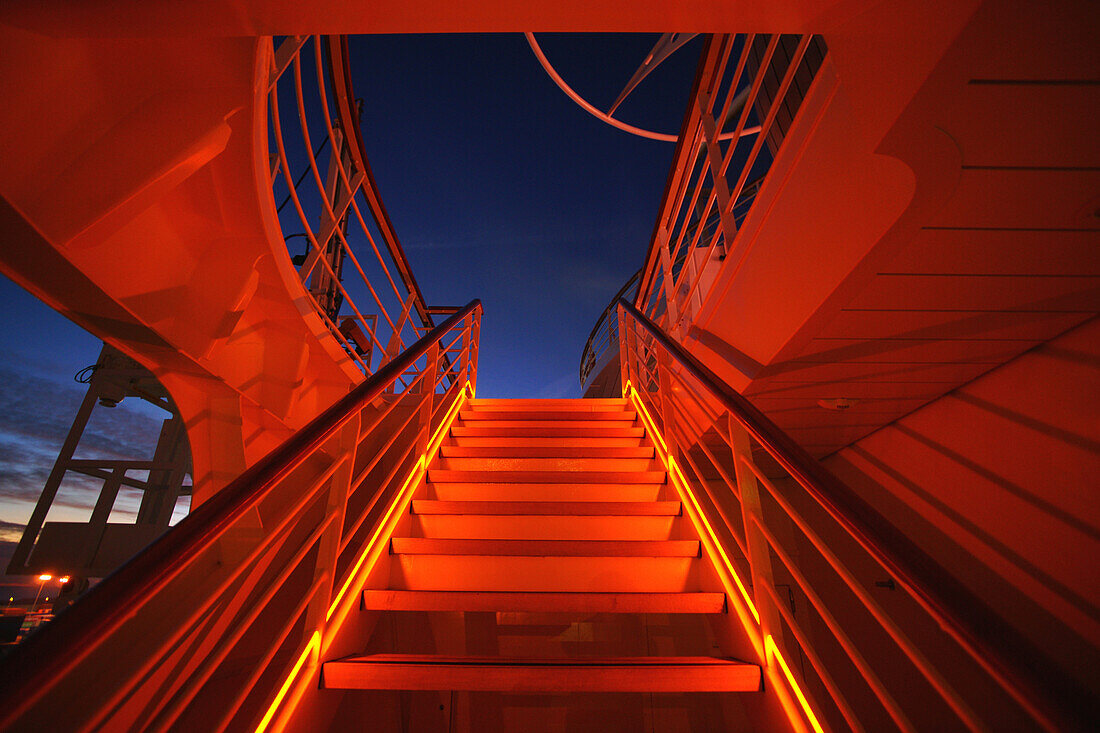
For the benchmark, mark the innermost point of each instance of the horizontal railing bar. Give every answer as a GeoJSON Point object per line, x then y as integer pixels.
{"type": "Point", "coordinates": [955, 608]}
{"type": "Point", "coordinates": [35, 666]}
{"type": "Point", "coordinates": [742, 544]}
{"type": "Point", "coordinates": [904, 643]}
{"type": "Point", "coordinates": [277, 640]}
{"type": "Point", "coordinates": [174, 635]}
{"type": "Point", "coordinates": [874, 682]}
{"type": "Point", "coordinates": [198, 677]}
{"type": "Point", "coordinates": [357, 525]}
{"type": "Point", "coordinates": [819, 666]}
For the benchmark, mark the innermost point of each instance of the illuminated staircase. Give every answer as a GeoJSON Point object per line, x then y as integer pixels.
{"type": "Point", "coordinates": [546, 507]}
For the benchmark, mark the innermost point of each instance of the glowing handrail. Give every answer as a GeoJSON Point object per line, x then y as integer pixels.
{"type": "Point", "coordinates": [956, 609]}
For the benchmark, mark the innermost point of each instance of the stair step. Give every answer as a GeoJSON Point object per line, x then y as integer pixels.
{"type": "Point", "coordinates": [544, 573]}
{"type": "Point", "coordinates": [437, 475]}
{"type": "Point", "coordinates": [547, 430]}
{"type": "Point", "coordinates": [543, 527]}
{"type": "Point", "coordinates": [570, 508]}
{"type": "Point", "coordinates": [548, 415]}
{"type": "Point", "coordinates": [413, 600]}
{"type": "Point", "coordinates": [502, 674]}
{"type": "Point", "coordinates": [571, 405]}
{"type": "Point", "coordinates": [538, 426]}
{"type": "Point", "coordinates": [489, 465]}
{"type": "Point", "coordinates": [506, 491]}
{"type": "Point", "coordinates": [544, 548]}
{"type": "Point", "coordinates": [546, 451]}
{"type": "Point", "coordinates": [512, 441]}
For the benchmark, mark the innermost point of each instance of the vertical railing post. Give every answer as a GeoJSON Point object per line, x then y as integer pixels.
{"type": "Point", "coordinates": [624, 349]}
{"type": "Point", "coordinates": [465, 350]}
{"type": "Point", "coordinates": [343, 446]}
{"type": "Point", "coordinates": [756, 545]}
{"type": "Point", "coordinates": [667, 406]}
{"type": "Point", "coordinates": [475, 343]}
{"type": "Point", "coordinates": [427, 401]}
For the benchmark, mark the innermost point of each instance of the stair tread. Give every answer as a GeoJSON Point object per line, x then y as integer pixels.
{"type": "Point", "coordinates": [545, 548]}
{"type": "Point", "coordinates": [549, 430]}
{"type": "Point", "coordinates": [541, 441]}
{"type": "Point", "coordinates": [563, 508]}
{"type": "Point", "coordinates": [543, 602]}
{"type": "Point", "coordinates": [539, 426]}
{"type": "Point", "coordinates": [530, 674]}
{"type": "Point", "coordinates": [546, 452]}
{"type": "Point", "coordinates": [460, 491]}
{"type": "Point", "coordinates": [544, 661]}
{"type": "Point", "coordinates": [570, 405]}
{"type": "Point", "coordinates": [548, 415]}
{"type": "Point", "coordinates": [437, 475]}
{"type": "Point", "coordinates": [546, 573]}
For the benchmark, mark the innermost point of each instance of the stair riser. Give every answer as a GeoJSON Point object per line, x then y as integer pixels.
{"type": "Point", "coordinates": [534, 426]}
{"type": "Point", "coordinates": [436, 475]}
{"type": "Point", "coordinates": [545, 527]}
{"type": "Point", "coordinates": [540, 430]}
{"type": "Point", "coordinates": [561, 574]}
{"type": "Point", "coordinates": [548, 415]}
{"type": "Point", "coordinates": [556, 451]}
{"type": "Point", "coordinates": [543, 492]}
{"type": "Point", "coordinates": [539, 442]}
{"type": "Point", "coordinates": [551, 508]}
{"type": "Point", "coordinates": [488, 465]}
{"type": "Point", "coordinates": [579, 603]}
{"type": "Point", "coordinates": [498, 678]}
{"type": "Point", "coordinates": [504, 405]}
{"type": "Point", "coordinates": [528, 547]}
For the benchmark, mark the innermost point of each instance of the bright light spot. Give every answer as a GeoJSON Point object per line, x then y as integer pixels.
{"type": "Point", "coordinates": [44, 577]}
{"type": "Point", "coordinates": [63, 579]}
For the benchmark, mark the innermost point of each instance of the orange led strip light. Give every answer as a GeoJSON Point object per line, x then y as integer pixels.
{"type": "Point", "coordinates": [385, 528]}
{"type": "Point", "coordinates": [770, 652]}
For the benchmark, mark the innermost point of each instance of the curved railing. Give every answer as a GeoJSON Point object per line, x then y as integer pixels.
{"type": "Point", "coordinates": [605, 334]}
{"type": "Point", "coordinates": [867, 669]}
{"type": "Point", "coordinates": [743, 82]}
{"type": "Point", "coordinates": [329, 207]}
{"type": "Point", "coordinates": [211, 625]}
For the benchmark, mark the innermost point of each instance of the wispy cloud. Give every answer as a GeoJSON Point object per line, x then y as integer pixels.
{"type": "Point", "coordinates": [36, 413]}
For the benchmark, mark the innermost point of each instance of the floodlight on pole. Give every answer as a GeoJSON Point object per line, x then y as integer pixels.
{"type": "Point", "coordinates": [42, 581]}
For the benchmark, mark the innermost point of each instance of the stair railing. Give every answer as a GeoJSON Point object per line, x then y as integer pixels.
{"type": "Point", "coordinates": [604, 336]}
{"type": "Point", "coordinates": [747, 92]}
{"type": "Point", "coordinates": [221, 621]}
{"type": "Point", "coordinates": [327, 200]}
{"type": "Point", "coordinates": [790, 536]}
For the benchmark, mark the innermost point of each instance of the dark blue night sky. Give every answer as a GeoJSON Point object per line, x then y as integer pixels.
{"type": "Point", "coordinates": [499, 187]}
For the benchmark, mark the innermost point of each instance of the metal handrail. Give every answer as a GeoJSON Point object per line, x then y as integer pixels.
{"type": "Point", "coordinates": [997, 648]}
{"type": "Point", "coordinates": [43, 659]}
